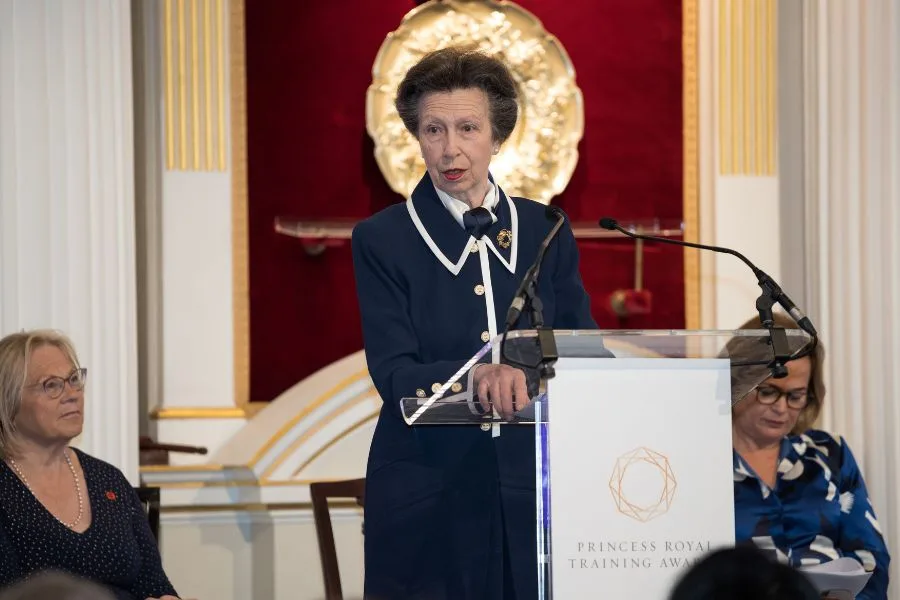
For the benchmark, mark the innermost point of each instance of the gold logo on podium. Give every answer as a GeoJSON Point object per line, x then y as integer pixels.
{"type": "Point", "coordinates": [538, 159]}
{"type": "Point", "coordinates": [642, 484]}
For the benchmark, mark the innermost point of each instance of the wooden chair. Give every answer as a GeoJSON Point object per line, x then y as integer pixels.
{"type": "Point", "coordinates": [320, 492]}
{"type": "Point", "coordinates": [149, 497]}
{"type": "Point", "coordinates": [152, 453]}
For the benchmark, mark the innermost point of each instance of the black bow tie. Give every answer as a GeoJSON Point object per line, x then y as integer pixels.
{"type": "Point", "coordinates": [477, 221]}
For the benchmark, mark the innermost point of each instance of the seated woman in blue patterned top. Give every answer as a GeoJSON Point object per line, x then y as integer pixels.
{"type": "Point", "coordinates": [798, 492]}
{"type": "Point", "coordinates": [62, 509]}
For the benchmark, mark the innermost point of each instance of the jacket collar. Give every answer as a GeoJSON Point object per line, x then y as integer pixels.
{"type": "Point", "coordinates": [449, 242]}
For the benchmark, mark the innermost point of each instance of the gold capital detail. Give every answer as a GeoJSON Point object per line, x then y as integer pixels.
{"type": "Point", "coordinates": [194, 69]}
{"type": "Point", "coordinates": [746, 36]}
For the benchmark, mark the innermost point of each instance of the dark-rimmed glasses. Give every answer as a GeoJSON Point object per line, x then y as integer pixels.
{"type": "Point", "coordinates": [768, 394]}
{"type": "Point", "coordinates": [55, 386]}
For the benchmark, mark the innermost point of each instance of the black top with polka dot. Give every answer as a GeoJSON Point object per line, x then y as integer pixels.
{"type": "Point", "coordinates": [117, 550]}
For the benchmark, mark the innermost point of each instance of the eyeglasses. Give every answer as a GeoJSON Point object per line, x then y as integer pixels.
{"type": "Point", "coordinates": [767, 394]}
{"type": "Point", "coordinates": [55, 386]}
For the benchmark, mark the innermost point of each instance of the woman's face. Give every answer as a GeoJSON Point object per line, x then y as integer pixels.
{"type": "Point", "coordinates": [766, 424]}
{"type": "Point", "coordinates": [43, 420]}
{"type": "Point", "coordinates": [457, 142]}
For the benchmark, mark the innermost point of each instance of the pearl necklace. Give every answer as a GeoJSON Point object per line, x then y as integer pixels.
{"type": "Point", "coordinates": [21, 475]}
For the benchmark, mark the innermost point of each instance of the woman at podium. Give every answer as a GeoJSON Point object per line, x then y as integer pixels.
{"type": "Point", "coordinates": [450, 510]}
{"type": "Point", "coordinates": [798, 491]}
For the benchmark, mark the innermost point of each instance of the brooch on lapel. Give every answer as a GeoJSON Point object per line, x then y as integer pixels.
{"type": "Point", "coordinates": [504, 238]}
{"type": "Point", "coordinates": [110, 495]}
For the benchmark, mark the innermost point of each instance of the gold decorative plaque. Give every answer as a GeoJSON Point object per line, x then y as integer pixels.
{"type": "Point", "coordinates": [538, 159]}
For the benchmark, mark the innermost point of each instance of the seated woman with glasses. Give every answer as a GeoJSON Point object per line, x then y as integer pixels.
{"type": "Point", "coordinates": [60, 509]}
{"type": "Point", "coordinates": [798, 492]}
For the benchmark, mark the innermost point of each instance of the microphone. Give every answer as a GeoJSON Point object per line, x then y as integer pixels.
{"type": "Point", "coordinates": [531, 275]}
{"type": "Point", "coordinates": [769, 286]}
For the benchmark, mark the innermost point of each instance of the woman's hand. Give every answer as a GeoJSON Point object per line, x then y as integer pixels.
{"type": "Point", "coordinates": [502, 386]}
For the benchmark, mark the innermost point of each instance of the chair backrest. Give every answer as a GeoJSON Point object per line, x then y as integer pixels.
{"type": "Point", "coordinates": [149, 497]}
{"type": "Point", "coordinates": [320, 492]}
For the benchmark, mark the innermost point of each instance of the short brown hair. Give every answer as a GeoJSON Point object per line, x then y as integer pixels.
{"type": "Point", "coordinates": [15, 352]}
{"type": "Point", "coordinates": [749, 349]}
{"type": "Point", "coordinates": [460, 68]}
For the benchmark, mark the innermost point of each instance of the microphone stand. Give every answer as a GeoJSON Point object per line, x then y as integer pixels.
{"type": "Point", "coordinates": [777, 336]}
{"type": "Point", "coordinates": [527, 298]}
{"type": "Point", "coordinates": [546, 341]}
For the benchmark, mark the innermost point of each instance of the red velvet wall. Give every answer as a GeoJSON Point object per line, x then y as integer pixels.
{"type": "Point", "coordinates": [308, 67]}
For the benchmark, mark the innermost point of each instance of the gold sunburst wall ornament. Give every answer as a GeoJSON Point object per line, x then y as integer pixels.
{"type": "Point", "coordinates": [538, 159]}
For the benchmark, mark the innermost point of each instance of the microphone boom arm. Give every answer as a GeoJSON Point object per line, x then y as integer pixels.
{"type": "Point", "coordinates": [771, 293]}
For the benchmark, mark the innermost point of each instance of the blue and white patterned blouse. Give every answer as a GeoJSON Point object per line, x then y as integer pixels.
{"type": "Point", "coordinates": [818, 511]}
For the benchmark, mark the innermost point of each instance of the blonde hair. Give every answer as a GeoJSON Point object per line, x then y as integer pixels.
{"type": "Point", "coordinates": [749, 348]}
{"type": "Point", "coordinates": [15, 354]}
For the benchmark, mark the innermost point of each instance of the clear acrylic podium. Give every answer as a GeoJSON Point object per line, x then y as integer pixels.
{"type": "Point", "coordinates": [751, 353]}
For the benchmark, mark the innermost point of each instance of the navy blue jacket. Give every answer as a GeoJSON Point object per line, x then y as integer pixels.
{"type": "Point", "coordinates": [443, 502]}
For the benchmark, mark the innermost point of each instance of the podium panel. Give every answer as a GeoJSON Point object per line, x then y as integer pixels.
{"type": "Point", "coordinates": [639, 456]}
{"type": "Point", "coordinates": [632, 430]}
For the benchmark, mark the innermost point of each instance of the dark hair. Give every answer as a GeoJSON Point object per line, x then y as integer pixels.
{"type": "Point", "coordinates": [55, 586]}
{"type": "Point", "coordinates": [460, 68]}
{"type": "Point", "coordinates": [750, 349]}
{"type": "Point", "coordinates": [742, 573]}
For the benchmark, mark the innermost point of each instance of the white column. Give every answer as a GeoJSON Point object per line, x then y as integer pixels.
{"type": "Point", "coordinates": [67, 198]}
{"type": "Point", "coordinates": [739, 185]}
{"type": "Point", "coordinates": [187, 207]}
{"type": "Point", "coordinates": [852, 80]}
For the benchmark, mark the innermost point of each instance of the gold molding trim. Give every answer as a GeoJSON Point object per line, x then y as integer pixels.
{"type": "Point", "coordinates": [252, 507]}
{"type": "Point", "coordinates": [192, 49]}
{"type": "Point", "coordinates": [338, 438]}
{"type": "Point", "coordinates": [319, 426]}
{"type": "Point", "coordinates": [771, 115]}
{"type": "Point", "coordinates": [169, 103]}
{"type": "Point", "coordinates": [181, 468]}
{"type": "Point", "coordinates": [232, 483]}
{"type": "Point", "coordinates": [207, 81]}
{"type": "Point", "coordinates": [747, 74]}
{"type": "Point", "coordinates": [182, 89]}
{"type": "Point", "coordinates": [691, 161]}
{"type": "Point", "coordinates": [240, 253]}
{"type": "Point", "coordinates": [198, 412]}
{"type": "Point", "coordinates": [309, 408]}
{"type": "Point", "coordinates": [220, 73]}
{"type": "Point", "coordinates": [194, 485]}
{"type": "Point", "coordinates": [195, 88]}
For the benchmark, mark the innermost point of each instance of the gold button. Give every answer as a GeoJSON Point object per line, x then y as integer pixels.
{"type": "Point", "coordinates": [435, 388]}
{"type": "Point", "coordinates": [485, 426]}
{"type": "Point", "coordinates": [420, 393]}
{"type": "Point", "coordinates": [479, 290]}
{"type": "Point", "coordinates": [456, 387]}
{"type": "Point", "coordinates": [485, 336]}
{"type": "Point", "coordinates": [473, 248]}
